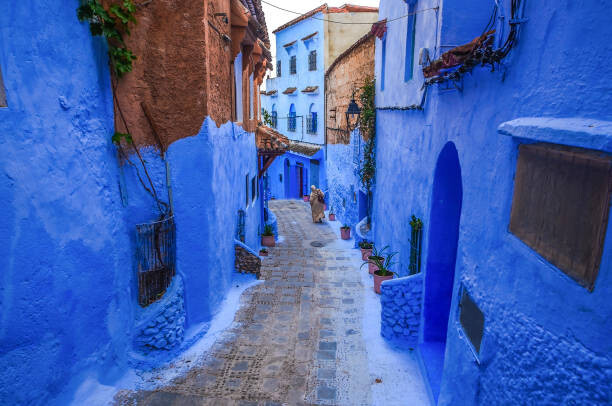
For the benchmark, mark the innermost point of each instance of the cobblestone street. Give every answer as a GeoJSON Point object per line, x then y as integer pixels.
{"type": "Point", "coordinates": [296, 338]}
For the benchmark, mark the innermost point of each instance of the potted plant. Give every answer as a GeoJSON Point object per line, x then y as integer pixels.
{"type": "Point", "coordinates": [345, 232]}
{"type": "Point", "coordinates": [381, 266]}
{"type": "Point", "coordinates": [306, 198]}
{"type": "Point", "coordinates": [263, 252]}
{"type": "Point", "coordinates": [366, 249]}
{"type": "Point", "coordinates": [332, 215]}
{"type": "Point", "coordinates": [267, 237]}
{"type": "Point", "coordinates": [375, 258]}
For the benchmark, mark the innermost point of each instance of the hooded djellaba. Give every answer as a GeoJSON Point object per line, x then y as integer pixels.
{"type": "Point", "coordinates": [317, 204]}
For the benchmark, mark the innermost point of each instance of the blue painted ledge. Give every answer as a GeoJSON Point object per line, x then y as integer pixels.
{"type": "Point", "coordinates": [401, 305]}
{"type": "Point", "coordinates": [576, 132]}
{"type": "Point", "coordinates": [246, 247]}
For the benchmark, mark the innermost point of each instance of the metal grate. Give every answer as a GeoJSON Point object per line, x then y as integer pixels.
{"type": "Point", "coordinates": [312, 60]}
{"type": "Point", "coordinates": [155, 259]}
{"type": "Point", "coordinates": [311, 124]}
{"type": "Point", "coordinates": [241, 226]}
{"type": "Point", "coordinates": [291, 123]}
{"type": "Point", "coordinates": [293, 65]}
{"type": "Point", "coordinates": [274, 119]}
{"type": "Point", "coordinates": [471, 319]}
{"type": "Point", "coordinates": [278, 68]}
{"type": "Point", "coordinates": [560, 206]}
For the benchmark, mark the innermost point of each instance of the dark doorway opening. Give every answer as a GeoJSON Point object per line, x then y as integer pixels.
{"type": "Point", "coordinates": [447, 195]}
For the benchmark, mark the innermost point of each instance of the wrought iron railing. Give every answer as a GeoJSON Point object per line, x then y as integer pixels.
{"type": "Point", "coordinates": [155, 259]}
{"type": "Point", "coordinates": [311, 125]}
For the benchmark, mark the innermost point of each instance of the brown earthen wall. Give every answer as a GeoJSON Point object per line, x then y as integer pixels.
{"type": "Point", "coordinates": [344, 76]}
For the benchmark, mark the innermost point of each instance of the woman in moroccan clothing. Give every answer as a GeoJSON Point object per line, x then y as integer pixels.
{"type": "Point", "coordinates": [317, 204]}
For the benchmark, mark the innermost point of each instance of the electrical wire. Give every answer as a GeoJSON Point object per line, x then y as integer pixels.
{"type": "Point", "coordinates": [350, 23]}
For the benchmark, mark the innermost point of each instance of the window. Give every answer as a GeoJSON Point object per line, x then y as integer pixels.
{"type": "Point", "coordinates": [274, 119]}
{"type": "Point", "coordinates": [292, 65]}
{"type": "Point", "coordinates": [560, 206]}
{"type": "Point", "coordinates": [312, 60]}
{"type": "Point", "coordinates": [410, 33]}
{"type": "Point", "coordinates": [246, 190]}
{"type": "Point", "coordinates": [278, 68]}
{"type": "Point", "coordinates": [471, 319]}
{"type": "Point", "coordinates": [291, 122]}
{"type": "Point", "coordinates": [253, 188]}
{"type": "Point", "coordinates": [2, 92]}
{"type": "Point", "coordinates": [311, 121]}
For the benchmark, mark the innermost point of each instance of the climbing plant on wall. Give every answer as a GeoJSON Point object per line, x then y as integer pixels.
{"type": "Point", "coordinates": [112, 23]}
{"type": "Point", "coordinates": [367, 123]}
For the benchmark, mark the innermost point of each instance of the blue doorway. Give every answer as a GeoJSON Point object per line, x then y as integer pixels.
{"type": "Point", "coordinates": [447, 196]}
{"type": "Point", "coordinates": [286, 178]}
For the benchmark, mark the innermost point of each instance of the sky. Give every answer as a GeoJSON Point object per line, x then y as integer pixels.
{"type": "Point", "coordinates": [275, 17]}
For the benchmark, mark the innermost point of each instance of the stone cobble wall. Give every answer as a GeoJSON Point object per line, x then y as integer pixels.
{"type": "Point", "coordinates": [163, 322]}
{"type": "Point", "coordinates": [401, 301]}
{"type": "Point", "coordinates": [246, 261]}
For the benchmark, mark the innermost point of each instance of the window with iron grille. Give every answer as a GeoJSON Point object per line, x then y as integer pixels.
{"type": "Point", "coordinates": [560, 206]}
{"type": "Point", "coordinates": [291, 122]}
{"type": "Point", "coordinates": [155, 259]}
{"type": "Point", "coordinates": [312, 60]}
{"type": "Point", "coordinates": [253, 188]}
{"type": "Point", "coordinates": [2, 92]}
{"type": "Point", "coordinates": [472, 320]}
{"type": "Point", "coordinates": [278, 68]}
{"type": "Point", "coordinates": [293, 65]}
{"type": "Point", "coordinates": [311, 124]}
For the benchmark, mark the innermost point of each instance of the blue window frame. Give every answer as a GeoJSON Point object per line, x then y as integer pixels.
{"type": "Point", "coordinates": [384, 62]}
{"type": "Point", "coordinates": [410, 34]}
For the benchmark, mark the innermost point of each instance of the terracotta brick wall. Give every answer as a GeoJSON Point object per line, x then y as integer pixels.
{"type": "Point", "coordinates": [346, 74]}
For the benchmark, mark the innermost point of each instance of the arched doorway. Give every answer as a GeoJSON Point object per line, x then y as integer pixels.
{"type": "Point", "coordinates": [286, 179]}
{"type": "Point", "coordinates": [447, 195]}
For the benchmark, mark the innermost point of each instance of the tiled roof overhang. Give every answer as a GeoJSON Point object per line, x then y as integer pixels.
{"type": "Point", "coordinates": [290, 90]}
{"type": "Point", "coordinates": [304, 148]}
{"type": "Point", "coordinates": [310, 89]}
{"type": "Point", "coordinates": [270, 141]}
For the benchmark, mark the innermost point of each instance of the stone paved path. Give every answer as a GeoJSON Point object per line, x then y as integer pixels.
{"type": "Point", "coordinates": [296, 339]}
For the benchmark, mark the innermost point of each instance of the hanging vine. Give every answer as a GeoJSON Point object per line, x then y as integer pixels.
{"type": "Point", "coordinates": [367, 124]}
{"type": "Point", "coordinates": [113, 23]}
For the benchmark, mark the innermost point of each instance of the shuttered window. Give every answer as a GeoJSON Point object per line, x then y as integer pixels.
{"type": "Point", "coordinates": [560, 206]}
{"type": "Point", "coordinates": [278, 68]}
{"type": "Point", "coordinates": [292, 65]}
{"type": "Point", "coordinates": [312, 60]}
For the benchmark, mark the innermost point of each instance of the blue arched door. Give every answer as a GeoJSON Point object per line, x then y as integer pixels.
{"type": "Point", "coordinates": [447, 196]}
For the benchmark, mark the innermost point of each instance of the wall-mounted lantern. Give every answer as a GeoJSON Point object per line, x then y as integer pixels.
{"type": "Point", "coordinates": [353, 112]}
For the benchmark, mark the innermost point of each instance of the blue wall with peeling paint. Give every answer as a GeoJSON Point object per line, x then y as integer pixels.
{"type": "Point", "coordinates": [64, 278]}
{"type": "Point", "coordinates": [546, 338]}
{"type": "Point", "coordinates": [67, 283]}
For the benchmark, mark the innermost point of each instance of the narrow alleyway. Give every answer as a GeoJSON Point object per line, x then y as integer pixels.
{"type": "Point", "coordinates": [296, 338]}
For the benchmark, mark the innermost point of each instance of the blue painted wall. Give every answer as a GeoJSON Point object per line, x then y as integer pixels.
{"type": "Point", "coordinates": [64, 274]}
{"type": "Point", "coordinates": [546, 338]}
{"type": "Point", "coordinates": [67, 284]}
{"type": "Point", "coordinates": [284, 180]}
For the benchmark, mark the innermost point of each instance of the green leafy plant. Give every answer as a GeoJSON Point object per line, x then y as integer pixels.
{"type": "Point", "coordinates": [263, 250]}
{"type": "Point", "coordinates": [267, 117]}
{"type": "Point", "coordinates": [268, 230]}
{"type": "Point", "coordinates": [367, 124]}
{"type": "Point", "coordinates": [345, 226]}
{"type": "Point", "coordinates": [366, 245]}
{"type": "Point", "coordinates": [382, 260]}
{"type": "Point", "coordinates": [111, 24]}
{"type": "Point", "coordinates": [416, 235]}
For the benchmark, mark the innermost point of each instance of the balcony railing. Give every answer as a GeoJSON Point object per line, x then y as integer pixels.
{"type": "Point", "coordinates": [155, 259]}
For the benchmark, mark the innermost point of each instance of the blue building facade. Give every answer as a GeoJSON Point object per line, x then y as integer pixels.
{"type": "Point", "coordinates": [69, 287]}
{"type": "Point", "coordinates": [494, 317]}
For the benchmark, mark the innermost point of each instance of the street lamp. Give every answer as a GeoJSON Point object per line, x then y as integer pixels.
{"type": "Point", "coordinates": [353, 110]}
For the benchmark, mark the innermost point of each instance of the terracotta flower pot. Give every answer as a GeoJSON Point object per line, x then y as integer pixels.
{"type": "Point", "coordinates": [345, 233]}
{"type": "Point", "coordinates": [263, 253]}
{"type": "Point", "coordinates": [379, 279]}
{"type": "Point", "coordinates": [306, 198]}
{"type": "Point", "coordinates": [372, 267]}
{"type": "Point", "coordinates": [332, 217]}
{"type": "Point", "coordinates": [267, 241]}
{"type": "Point", "coordinates": [366, 253]}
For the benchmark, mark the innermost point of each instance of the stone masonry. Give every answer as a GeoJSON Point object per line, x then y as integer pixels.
{"type": "Point", "coordinates": [247, 261]}
{"type": "Point", "coordinates": [401, 303]}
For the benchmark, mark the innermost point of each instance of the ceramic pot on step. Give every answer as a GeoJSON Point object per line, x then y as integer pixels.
{"type": "Point", "coordinates": [345, 233]}
{"type": "Point", "coordinates": [267, 240]}
{"type": "Point", "coordinates": [379, 279]}
{"type": "Point", "coordinates": [366, 253]}
{"type": "Point", "coordinates": [306, 198]}
{"type": "Point", "coordinates": [332, 217]}
{"type": "Point", "coordinates": [372, 267]}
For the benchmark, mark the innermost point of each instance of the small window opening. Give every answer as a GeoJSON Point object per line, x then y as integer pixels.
{"type": "Point", "coordinates": [383, 63]}
{"type": "Point", "coordinates": [253, 188]}
{"type": "Point", "coordinates": [293, 65]}
{"type": "Point", "coordinates": [2, 92]}
{"type": "Point", "coordinates": [278, 68]}
{"type": "Point", "coordinates": [312, 60]}
{"type": "Point", "coordinates": [410, 34]}
{"type": "Point", "coordinates": [246, 189]}
{"type": "Point", "coordinates": [471, 319]}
